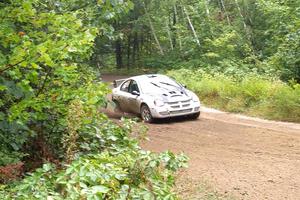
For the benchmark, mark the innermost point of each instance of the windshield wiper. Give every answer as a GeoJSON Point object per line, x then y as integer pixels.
{"type": "Point", "coordinates": [159, 86]}
{"type": "Point", "coordinates": [169, 84]}
{"type": "Point", "coordinates": [181, 88]}
{"type": "Point", "coordinates": [155, 84]}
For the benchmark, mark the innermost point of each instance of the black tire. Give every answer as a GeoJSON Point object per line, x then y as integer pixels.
{"type": "Point", "coordinates": [146, 114]}
{"type": "Point", "coordinates": [194, 116]}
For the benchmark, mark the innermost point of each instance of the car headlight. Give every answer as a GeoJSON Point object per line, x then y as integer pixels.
{"type": "Point", "coordinates": [195, 98]}
{"type": "Point", "coordinates": [159, 102]}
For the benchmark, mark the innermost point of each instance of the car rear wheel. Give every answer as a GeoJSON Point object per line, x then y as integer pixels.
{"type": "Point", "coordinates": [117, 108]}
{"type": "Point", "coordinates": [194, 116]}
{"type": "Point", "coordinates": [146, 114]}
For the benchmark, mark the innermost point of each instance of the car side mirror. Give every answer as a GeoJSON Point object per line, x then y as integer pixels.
{"type": "Point", "coordinates": [135, 93]}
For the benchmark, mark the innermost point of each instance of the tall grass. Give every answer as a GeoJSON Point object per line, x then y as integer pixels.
{"type": "Point", "coordinates": [254, 95]}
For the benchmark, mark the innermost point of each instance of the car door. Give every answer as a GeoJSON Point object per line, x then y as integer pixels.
{"type": "Point", "coordinates": [122, 96]}
{"type": "Point", "coordinates": [133, 101]}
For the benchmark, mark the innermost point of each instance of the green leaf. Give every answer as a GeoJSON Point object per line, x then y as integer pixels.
{"type": "Point", "coordinates": [99, 189]}
{"type": "Point", "coordinates": [3, 87]}
{"type": "Point", "coordinates": [47, 167]}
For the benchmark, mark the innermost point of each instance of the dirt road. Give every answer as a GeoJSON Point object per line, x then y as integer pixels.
{"type": "Point", "coordinates": [243, 157]}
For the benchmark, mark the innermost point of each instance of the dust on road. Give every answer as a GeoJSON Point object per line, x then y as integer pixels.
{"type": "Point", "coordinates": [245, 157]}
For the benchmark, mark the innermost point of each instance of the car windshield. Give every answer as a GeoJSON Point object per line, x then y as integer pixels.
{"type": "Point", "coordinates": [164, 83]}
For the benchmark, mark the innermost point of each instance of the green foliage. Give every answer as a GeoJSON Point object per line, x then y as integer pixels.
{"type": "Point", "coordinates": [110, 165]}
{"type": "Point", "coordinates": [43, 48]}
{"type": "Point", "coordinates": [254, 94]}
{"type": "Point", "coordinates": [287, 58]}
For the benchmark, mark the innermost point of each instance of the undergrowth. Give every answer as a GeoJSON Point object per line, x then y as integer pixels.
{"type": "Point", "coordinates": [104, 162]}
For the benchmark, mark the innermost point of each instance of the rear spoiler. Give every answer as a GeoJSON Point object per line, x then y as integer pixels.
{"type": "Point", "coordinates": [118, 82]}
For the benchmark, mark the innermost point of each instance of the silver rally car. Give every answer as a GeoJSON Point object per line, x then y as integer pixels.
{"type": "Point", "coordinates": [155, 96]}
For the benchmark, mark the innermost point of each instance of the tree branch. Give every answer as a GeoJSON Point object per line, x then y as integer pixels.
{"type": "Point", "coordinates": [10, 66]}
{"type": "Point", "coordinates": [44, 83]}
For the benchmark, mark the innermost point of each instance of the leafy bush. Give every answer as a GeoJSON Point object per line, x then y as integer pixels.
{"type": "Point", "coordinates": [44, 49]}
{"type": "Point", "coordinates": [109, 165]}
{"type": "Point", "coordinates": [255, 95]}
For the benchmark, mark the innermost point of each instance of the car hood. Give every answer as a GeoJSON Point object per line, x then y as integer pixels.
{"type": "Point", "coordinates": [173, 95]}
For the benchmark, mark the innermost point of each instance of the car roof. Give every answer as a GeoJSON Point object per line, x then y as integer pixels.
{"type": "Point", "coordinates": [146, 77]}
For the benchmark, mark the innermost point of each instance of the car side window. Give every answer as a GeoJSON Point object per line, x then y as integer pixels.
{"type": "Point", "coordinates": [125, 86]}
{"type": "Point", "coordinates": [133, 87]}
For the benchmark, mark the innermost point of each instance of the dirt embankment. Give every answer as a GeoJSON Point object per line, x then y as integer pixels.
{"type": "Point", "coordinates": [243, 157]}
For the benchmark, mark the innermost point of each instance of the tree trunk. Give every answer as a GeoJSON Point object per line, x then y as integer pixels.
{"type": "Point", "coordinates": [175, 19]}
{"type": "Point", "coordinates": [174, 30]}
{"type": "Point", "coordinates": [169, 35]}
{"type": "Point", "coordinates": [135, 48]}
{"type": "Point", "coordinates": [142, 39]}
{"type": "Point", "coordinates": [153, 31]}
{"type": "Point", "coordinates": [191, 26]}
{"type": "Point", "coordinates": [118, 52]}
{"type": "Point", "coordinates": [225, 12]}
{"type": "Point", "coordinates": [207, 8]}
{"type": "Point", "coordinates": [243, 19]}
{"type": "Point", "coordinates": [206, 3]}
{"type": "Point", "coordinates": [128, 49]}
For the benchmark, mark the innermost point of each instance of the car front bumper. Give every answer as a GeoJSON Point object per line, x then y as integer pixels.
{"type": "Point", "coordinates": [173, 110]}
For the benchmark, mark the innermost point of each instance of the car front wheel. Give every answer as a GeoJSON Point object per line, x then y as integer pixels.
{"type": "Point", "coordinates": [146, 114]}
{"type": "Point", "coordinates": [194, 116]}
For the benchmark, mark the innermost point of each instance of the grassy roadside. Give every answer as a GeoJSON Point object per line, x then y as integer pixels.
{"type": "Point", "coordinates": [252, 95]}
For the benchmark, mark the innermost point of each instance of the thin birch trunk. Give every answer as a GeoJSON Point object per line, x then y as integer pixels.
{"type": "Point", "coordinates": [191, 26]}
{"type": "Point", "coordinates": [128, 50]}
{"type": "Point", "coordinates": [206, 3]}
{"type": "Point", "coordinates": [118, 51]}
{"type": "Point", "coordinates": [135, 48]}
{"type": "Point", "coordinates": [169, 34]}
{"type": "Point", "coordinates": [241, 15]}
{"type": "Point", "coordinates": [225, 12]}
{"type": "Point", "coordinates": [247, 6]}
{"type": "Point", "coordinates": [177, 33]}
{"type": "Point", "coordinates": [180, 43]}
{"type": "Point", "coordinates": [153, 31]}
{"type": "Point", "coordinates": [243, 19]}
{"type": "Point", "coordinates": [207, 8]}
